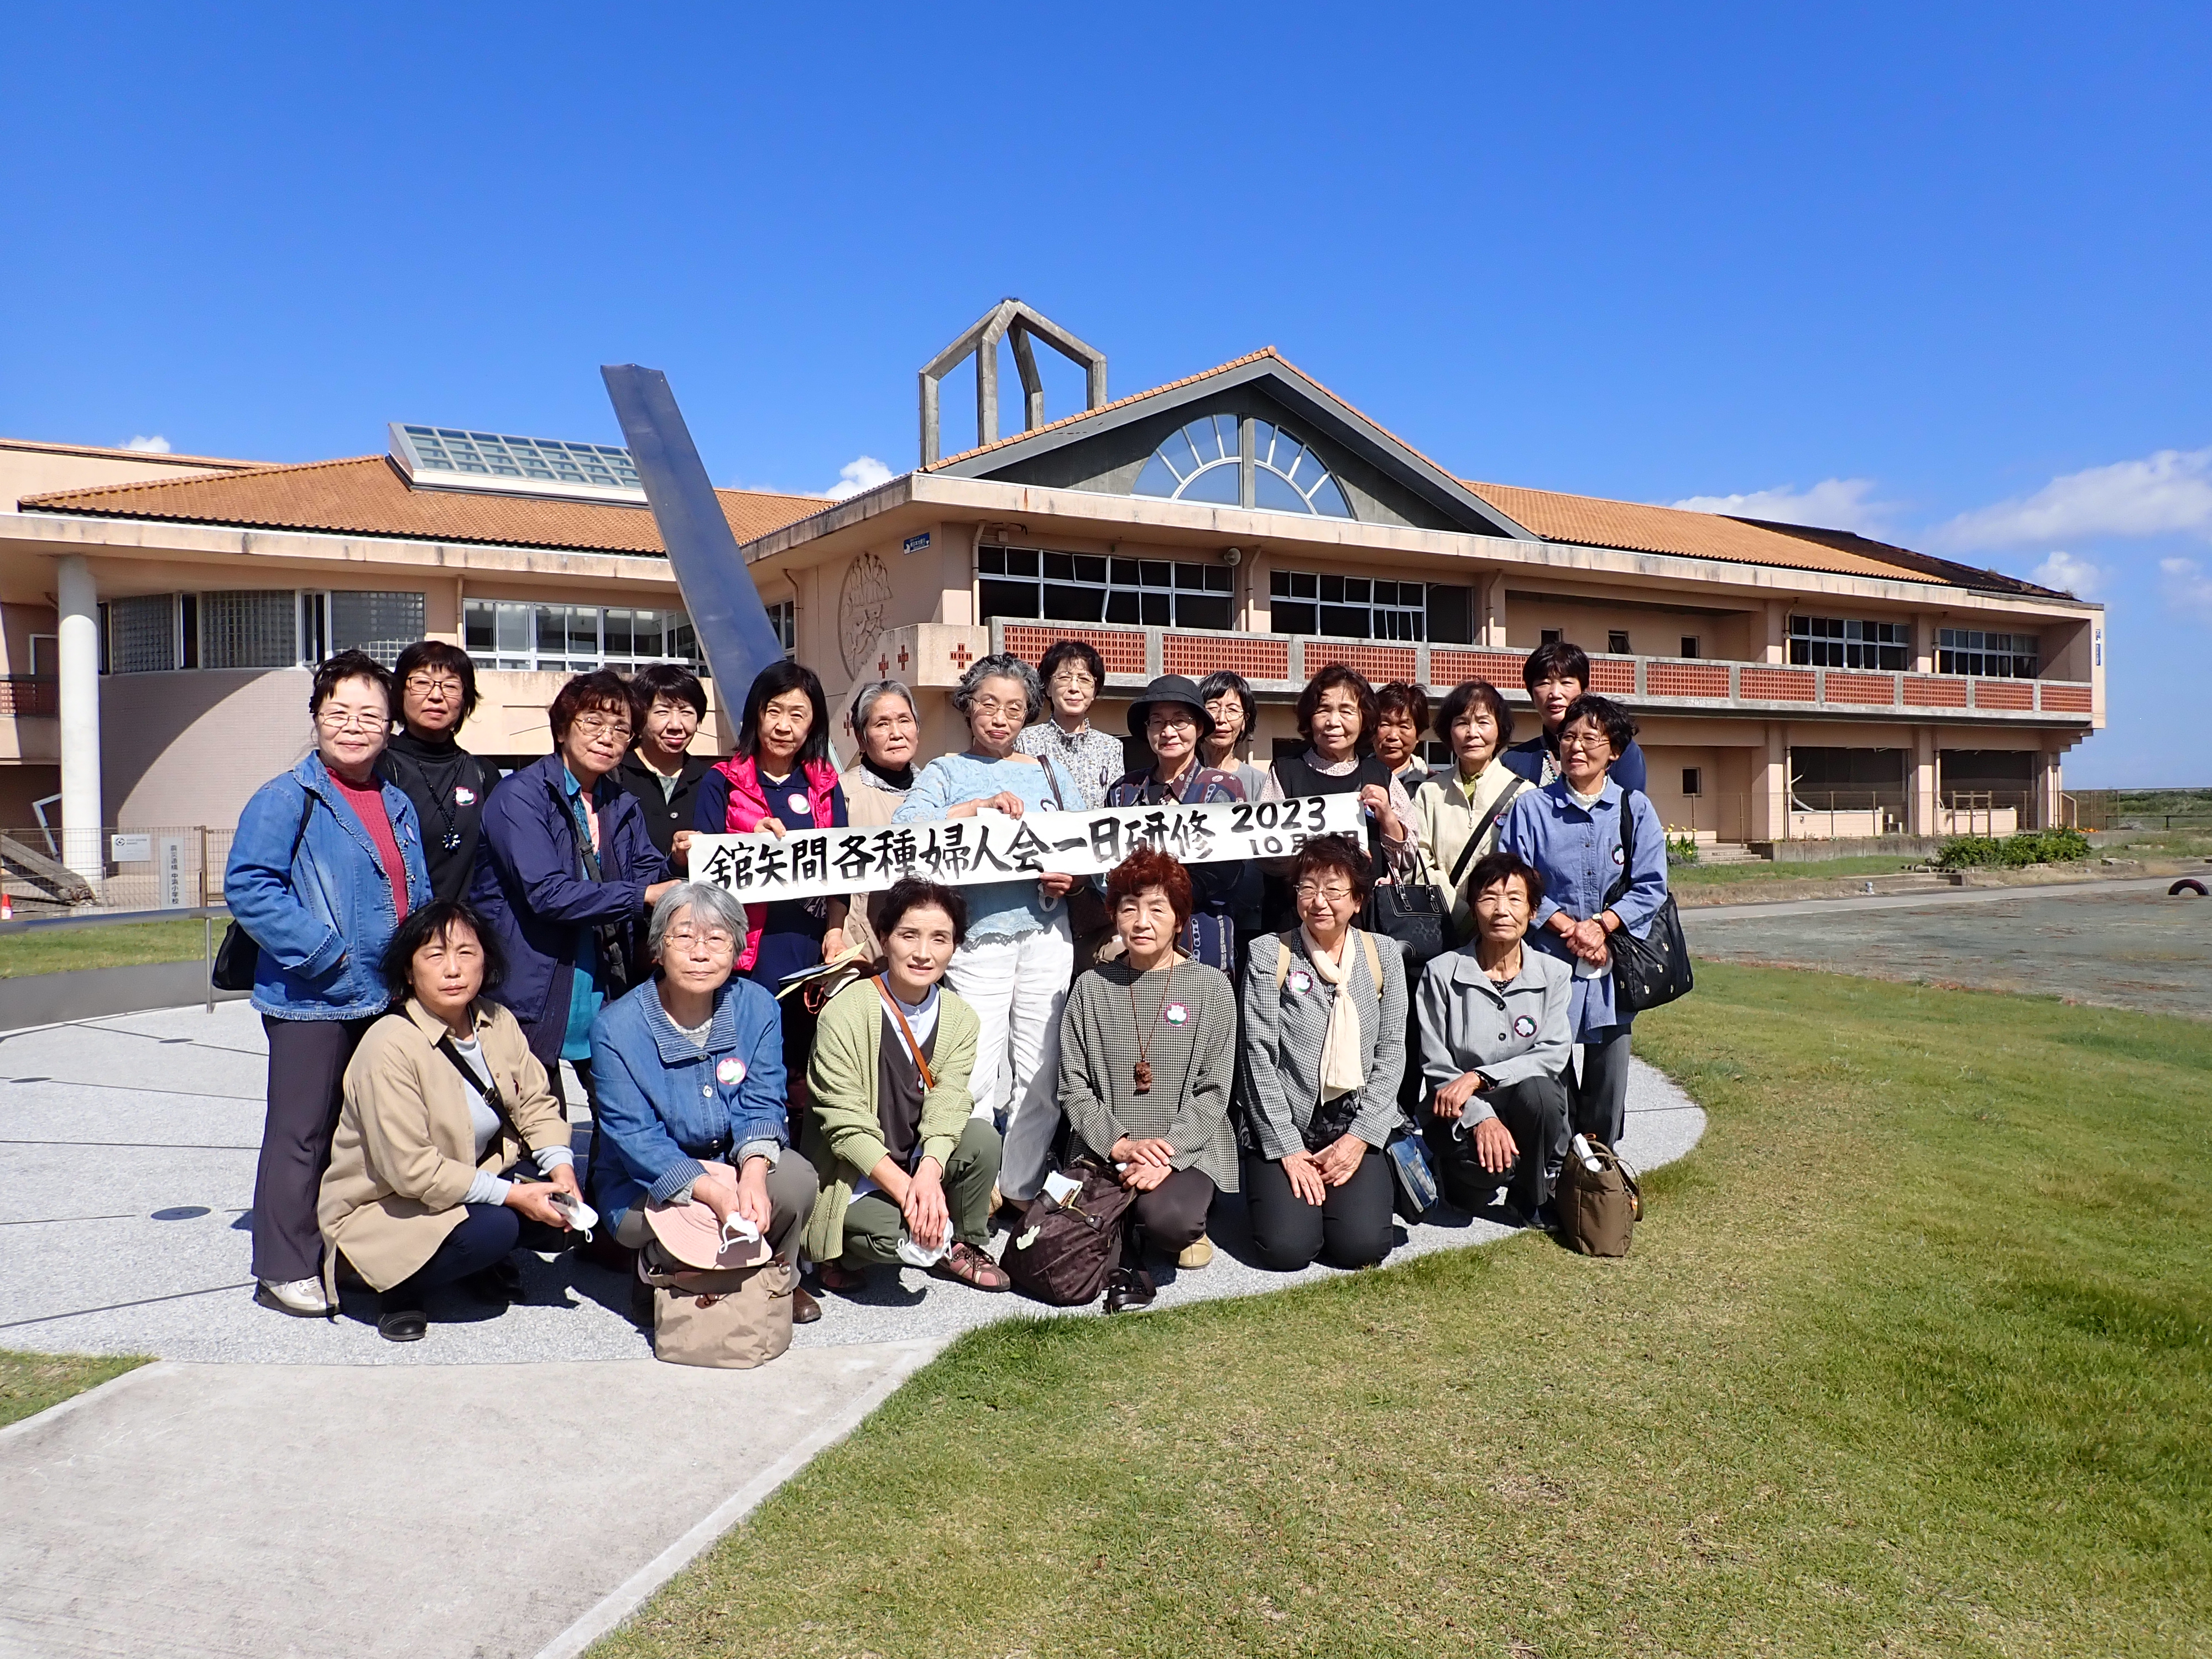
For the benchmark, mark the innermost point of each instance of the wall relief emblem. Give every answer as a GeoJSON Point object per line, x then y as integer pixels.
{"type": "Point", "coordinates": [863, 604]}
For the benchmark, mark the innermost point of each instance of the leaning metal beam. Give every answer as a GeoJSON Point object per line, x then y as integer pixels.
{"type": "Point", "coordinates": [726, 609]}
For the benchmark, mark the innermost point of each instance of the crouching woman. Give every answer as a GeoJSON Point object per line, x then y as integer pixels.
{"type": "Point", "coordinates": [1496, 1036]}
{"type": "Point", "coordinates": [689, 1069]}
{"type": "Point", "coordinates": [901, 1158]}
{"type": "Point", "coordinates": [442, 1100]}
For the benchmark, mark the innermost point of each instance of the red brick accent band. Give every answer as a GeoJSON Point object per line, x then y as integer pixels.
{"type": "Point", "coordinates": [1934, 692]}
{"type": "Point", "coordinates": [1612, 677]}
{"type": "Point", "coordinates": [1200, 655]}
{"type": "Point", "coordinates": [1875, 690]}
{"type": "Point", "coordinates": [1776, 684]}
{"type": "Point", "coordinates": [1381, 664]}
{"type": "Point", "coordinates": [2004, 694]}
{"type": "Point", "coordinates": [2067, 699]}
{"type": "Point", "coordinates": [1123, 650]}
{"type": "Point", "coordinates": [1448, 667]}
{"type": "Point", "coordinates": [1685, 679]}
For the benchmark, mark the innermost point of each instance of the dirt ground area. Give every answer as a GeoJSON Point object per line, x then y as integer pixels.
{"type": "Point", "coordinates": [2131, 948]}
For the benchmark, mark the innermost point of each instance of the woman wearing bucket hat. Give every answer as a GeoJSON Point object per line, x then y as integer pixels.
{"type": "Point", "coordinates": [1172, 718]}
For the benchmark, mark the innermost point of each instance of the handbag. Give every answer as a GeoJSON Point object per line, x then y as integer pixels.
{"type": "Point", "coordinates": [1598, 1209]}
{"type": "Point", "coordinates": [728, 1320]}
{"type": "Point", "coordinates": [1654, 971]}
{"type": "Point", "coordinates": [1410, 914]}
{"type": "Point", "coordinates": [238, 958]}
{"type": "Point", "coordinates": [1062, 1252]}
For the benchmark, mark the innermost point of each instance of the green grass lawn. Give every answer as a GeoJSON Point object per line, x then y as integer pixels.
{"type": "Point", "coordinates": [62, 950]}
{"type": "Point", "coordinates": [32, 1381]}
{"type": "Point", "coordinates": [1910, 1358]}
{"type": "Point", "coordinates": [1734, 875]}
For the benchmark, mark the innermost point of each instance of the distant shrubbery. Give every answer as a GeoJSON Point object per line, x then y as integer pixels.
{"type": "Point", "coordinates": [1681, 846]}
{"type": "Point", "coordinates": [2035, 847]}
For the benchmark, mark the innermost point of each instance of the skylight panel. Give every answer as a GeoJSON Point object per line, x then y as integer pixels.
{"type": "Point", "coordinates": [501, 463]}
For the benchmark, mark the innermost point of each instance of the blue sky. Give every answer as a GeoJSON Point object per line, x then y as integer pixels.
{"type": "Point", "coordinates": [1937, 274]}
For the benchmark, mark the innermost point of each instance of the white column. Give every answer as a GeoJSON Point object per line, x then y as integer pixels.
{"type": "Point", "coordinates": [78, 604]}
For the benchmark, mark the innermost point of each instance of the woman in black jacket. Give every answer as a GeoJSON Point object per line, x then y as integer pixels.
{"type": "Point", "coordinates": [447, 784]}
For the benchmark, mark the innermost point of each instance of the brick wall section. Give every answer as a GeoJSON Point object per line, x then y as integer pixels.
{"type": "Point", "coordinates": [1381, 664]}
{"type": "Point", "coordinates": [1934, 692]}
{"type": "Point", "coordinates": [20, 695]}
{"type": "Point", "coordinates": [1776, 684]}
{"type": "Point", "coordinates": [1122, 650]}
{"type": "Point", "coordinates": [2004, 694]}
{"type": "Point", "coordinates": [1878, 691]}
{"type": "Point", "coordinates": [1448, 667]}
{"type": "Point", "coordinates": [1200, 655]}
{"type": "Point", "coordinates": [1685, 679]}
{"type": "Point", "coordinates": [2066, 699]}
{"type": "Point", "coordinates": [1612, 677]}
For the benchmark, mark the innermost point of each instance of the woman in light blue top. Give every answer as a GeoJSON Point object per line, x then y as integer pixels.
{"type": "Point", "coordinates": [1572, 832]}
{"type": "Point", "coordinates": [1014, 967]}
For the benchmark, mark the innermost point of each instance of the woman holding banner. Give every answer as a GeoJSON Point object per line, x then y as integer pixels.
{"type": "Point", "coordinates": [1173, 722]}
{"type": "Point", "coordinates": [1014, 966]}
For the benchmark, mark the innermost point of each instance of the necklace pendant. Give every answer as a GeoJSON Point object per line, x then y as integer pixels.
{"type": "Point", "coordinates": [1144, 1076]}
{"type": "Point", "coordinates": [452, 840]}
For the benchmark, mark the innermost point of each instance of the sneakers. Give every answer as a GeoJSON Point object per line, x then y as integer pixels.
{"type": "Point", "coordinates": [1129, 1290]}
{"type": "Point", "coordinates": [1197, 1253]}
{"type": "Point", "coordinates": [300, 1297]}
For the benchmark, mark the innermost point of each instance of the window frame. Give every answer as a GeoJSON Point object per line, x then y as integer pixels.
{"type": "Point", "coordinates": [676, 630]}
{"type": "Point", "coordinates": [1859, 643]}
{"type": "Point", "coordinates": [1295, 596]}
{"type": "Point", "coordinates": [1984, 654]}
{"type": "Point", "coordinates": [1131, 592]}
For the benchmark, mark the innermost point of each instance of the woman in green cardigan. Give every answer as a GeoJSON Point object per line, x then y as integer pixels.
{"type": "Point", "coordinates": [906, 1170]}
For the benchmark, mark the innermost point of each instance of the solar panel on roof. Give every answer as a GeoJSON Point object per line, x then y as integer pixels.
{"type": "Point", "coordinates": [453, 457]}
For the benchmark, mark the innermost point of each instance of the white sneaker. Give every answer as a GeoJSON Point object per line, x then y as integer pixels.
{"type": "Point", "coordinates": [302, 1297]}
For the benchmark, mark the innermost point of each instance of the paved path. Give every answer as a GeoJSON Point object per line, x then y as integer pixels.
{"type": "Point", "coordinates": [281, 1485]}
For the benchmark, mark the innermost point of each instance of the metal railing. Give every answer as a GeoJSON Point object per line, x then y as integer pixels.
{"type": "Point", "coordinates": [162, 867]}
{"type": "Point", "coordinates": [35, 695]}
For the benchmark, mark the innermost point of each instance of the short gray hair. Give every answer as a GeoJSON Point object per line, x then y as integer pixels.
{"type": "Point", "coordinates": [707, 902]}
{"type": "Point", "coordinates": [865, 699]}
{"type": "Point", "coordinates": [1001, 665]}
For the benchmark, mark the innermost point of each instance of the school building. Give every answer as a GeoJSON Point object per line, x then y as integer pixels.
{"type": "Point", "coordinates": [158, 612]}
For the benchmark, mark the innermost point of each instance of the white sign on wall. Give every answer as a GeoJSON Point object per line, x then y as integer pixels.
{"type": "Point", "coordinates": [129, 849]}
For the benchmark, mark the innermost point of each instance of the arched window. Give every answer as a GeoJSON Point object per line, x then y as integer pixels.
{"type": "Point", "coordinates": [1200, 463]}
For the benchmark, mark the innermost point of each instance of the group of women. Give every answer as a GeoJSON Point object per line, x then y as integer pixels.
{"type": "Point", "coordinates": [433, 942]}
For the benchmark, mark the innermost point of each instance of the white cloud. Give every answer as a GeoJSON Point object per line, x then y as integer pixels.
{"type": "Point", "coordinates": [2184, 586]}
{"type": "Point", "coordinates": [1831, 504]}
{"type": "Point", "coordinates": [2169, 491]}
{"type": "Point", "coordinates": [2076, 576]}
{"type": "Point", "coordinates": [156, 445]}
{"type": "Point", "coordinates": [862, 472]}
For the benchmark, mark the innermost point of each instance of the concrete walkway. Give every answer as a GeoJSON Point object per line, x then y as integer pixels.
{"type": "Point", "coordinates": [512, 1485]}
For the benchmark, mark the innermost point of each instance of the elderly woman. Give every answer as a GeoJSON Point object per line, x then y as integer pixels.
{"type": "Point", "coordinates": [662, 772]}
{"type": "Point", "coordinates": [1456, 812]}
{"type": "Point", "coordinates": [889, 733]}
{"type": "Point", "coordinates": [437, 694]}
{"type": "Point", "coordinates": [1573, 832]}
{"type": "Point", "coordinates": [1236, 711]}
{"type": "Point", "coordinates": [1337, 714]}
{"type": "Point", "coordinates": [1014, 966]}
{"type": "Point", "coordinates": [326, 864]}
{"type": "Point", "coordinates": [1072, 674]}
{"type": "Point", "coordinates": [442, 1102]}
{"type": "Point", "coordinates": [1494, 1051]}
{"type": "Point", "coordinates": [567, 870]}
{"type": "Point", "coordinates": [1173, 722]}
{"type": "Point", "coordinates": [689, 1070]}
{"type": "Point", "coordinates": [1401, 716]}
{"type": "Point", "coordinates": [901, 1159]}
{"type": "Point", "coordinates": [1147, 1059]}
{"type": "Point", "coordinates": [1323, 1050]}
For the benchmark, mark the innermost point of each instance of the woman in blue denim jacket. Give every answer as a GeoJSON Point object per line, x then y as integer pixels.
{"type": "Point", "coordinates": [1569, 831]}
{"type": "Point", "coordinates": [689, 1070]}
{"type": "Point", "coordinates": [326, 863]}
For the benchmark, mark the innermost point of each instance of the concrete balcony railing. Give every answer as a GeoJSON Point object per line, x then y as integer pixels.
{"type": "Point", "coordinates": [27, 696]}
{"type": "Point", "coordinates": [1279, 664]}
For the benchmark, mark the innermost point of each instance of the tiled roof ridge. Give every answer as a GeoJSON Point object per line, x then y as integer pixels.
{"type": "Point", "coordinates": [257, 469]}
{"type": "Point", "coordinates": [1911, 556]}
{"type": "Point", "coordinates": [162, 457]}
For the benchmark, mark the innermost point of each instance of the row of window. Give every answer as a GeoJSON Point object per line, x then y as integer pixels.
{"type": "Point", "coordinates": [1850, 642]}
{"type": "Point", "coordinates": [287, 628]}
{"type": "Point", "coordinates": [1204, 461]}
{"type": "Point", "coordinates": [1027, 582]}
{"type": "Point", "coordinates": [1998, 656]}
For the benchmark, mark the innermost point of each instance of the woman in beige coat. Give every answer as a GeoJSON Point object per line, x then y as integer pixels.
{"type": "Point", "coordinates": [890, 736]}
{"type": "Point", "coordinates": [443, 1099]}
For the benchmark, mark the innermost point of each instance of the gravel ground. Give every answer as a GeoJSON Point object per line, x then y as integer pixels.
{"type": "Point", "coordinates": [127, 1150]}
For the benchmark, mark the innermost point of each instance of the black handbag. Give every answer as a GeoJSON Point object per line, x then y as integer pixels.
{"type": "Point", "coordinates": [1412, 915]}
{"type": "Point", "coordinates": [238, 956]}
{"type": "Point", "coordinates": [1654, 971]}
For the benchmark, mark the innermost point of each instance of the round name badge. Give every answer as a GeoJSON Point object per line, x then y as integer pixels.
{"type": "Point", "coordinates": [1301, 980]}
{"type": "Point", "coordinates": [732, 1071]}
{"type": "Point", "coordinates": [1174, 1013]}
{"type": "Point", "coordinates": [465, 796]}
{"type": "Point", "coordinates": [1617, 855]}
{"type": "Point", "coordinates": [1524, 1027]}
{"type": "Point", "coordinates": [797, 803]}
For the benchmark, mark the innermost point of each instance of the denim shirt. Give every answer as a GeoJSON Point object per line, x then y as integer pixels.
{"type": "Point", "coordinates": [1578, 855]}
{"type": "Point", "coordinates": [323, 918]}
{"type": "Point", "coordinates": [996, 909]}
{"type": "Point", "coordinates": [665, 1105]}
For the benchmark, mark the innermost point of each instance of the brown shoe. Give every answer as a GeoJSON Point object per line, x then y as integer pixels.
{"type": "Point", "coordinates": [964, 1264]}
{"type": "Point", "coordinates": [835, 1276]}
{"type": "Point", "coordinates": [804, 1310]}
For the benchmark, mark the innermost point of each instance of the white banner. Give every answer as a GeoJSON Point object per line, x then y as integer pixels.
{"type": "Point", "coordinates": [991, 846]}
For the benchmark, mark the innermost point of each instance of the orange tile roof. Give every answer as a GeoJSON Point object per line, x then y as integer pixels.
{"type": "Point", "coordinates": [365, 495]}
{"type": "Point", "coordinates": [1590, 521]}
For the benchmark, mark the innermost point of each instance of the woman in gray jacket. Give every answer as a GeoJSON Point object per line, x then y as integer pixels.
{"type": "Point", "coordinates": [1495, 1041]}
{"type": "Point", "coordinates": [1323, 1051]}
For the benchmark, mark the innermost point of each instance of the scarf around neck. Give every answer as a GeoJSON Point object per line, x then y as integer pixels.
{"type": "Point", "coordinates": [1342, 1072]}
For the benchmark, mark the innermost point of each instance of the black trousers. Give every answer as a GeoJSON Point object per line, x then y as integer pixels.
{"type": "Point", "coordinates": [1351, 1227]}
{"type": "Point", "coordinates": [1599, 1105]}
{"type": "Point", "coordinates": [486, 1234]}
{"type": "Point", "coordinates": [306, 1076]}
{"type": "Point", "coordinates": [1173, 1214]}
{"type": "Point", "coordinates": [1534, 1113]}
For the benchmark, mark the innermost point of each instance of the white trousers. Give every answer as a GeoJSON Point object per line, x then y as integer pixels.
{"type": "Point", "coordinates": [1018, 988]}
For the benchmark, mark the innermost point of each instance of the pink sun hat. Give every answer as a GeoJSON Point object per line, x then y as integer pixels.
{"type": "Point", "coordinates": [689, 1232]}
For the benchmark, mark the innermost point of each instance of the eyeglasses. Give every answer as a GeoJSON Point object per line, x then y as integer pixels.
{"type": "Point", "coordinates": [1597, 741]}
{"type": "Point", "coordinates": [1073, 678]}
{"type": "Point", "coordinates": [1168, 719]}
{"type": "Point", "coordinates": [716, 940]}
{"type": "Point", "coordinates": [341, 720]}
{"type": "Point", "coordinates": [1334, 895]}
{"type": "Point", "coordinates": [987, 706]}
{"type": "Point", "coordinates": [596, 725]}
{"type": "Point", "coordinates": [423, 686]}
